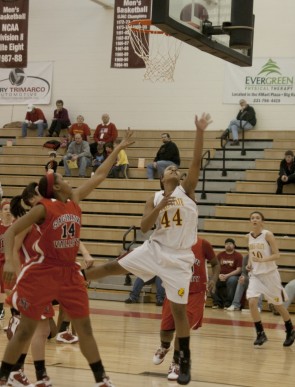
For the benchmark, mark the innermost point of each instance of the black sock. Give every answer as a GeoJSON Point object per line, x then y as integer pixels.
{"type": "Point", "coordinates": [5, 370]}
{"type": "Point", "coordinates": [98, 371]}
{"type": "Point", "coordinates": [20, 363]}
{"type": "Point", "coordinates": [289, 326]}
{"type": "Point", "coordinates": [1, 306]}
{"type": "Point", "coordinates": [259, 327]}
{"type": "Point", "coordinates": [165, 344]}
{"type": "Point", "coordinates": [184, 347]}
{"type": "Point", "coordinates": [176, 356]}
{"type": "Point", "coordinates": [14, 312]}
{"type": "Point", "coordinates": [64, 326]}
{"type": "Point", "coordinates": [40, 369]}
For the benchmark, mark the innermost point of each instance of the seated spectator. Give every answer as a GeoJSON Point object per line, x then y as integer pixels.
{"type": "Point", "coordinates": [287, 172]}
{"type": "Point", "coordinates": [99, 156]}
{"type": "Point", "coordinates": [104, 132]}
{"type": "Point", "coordinates": [139, 284]}
{"type": "Point", "coordinates": [168, 154]}
{"type": "Point", "coordinates": [60, 119]}
{"type": "Point", "coordinates": [52, 164]}
{"type": "Point", "coordinates": [241, 289]}
{"type": "Point", "coordinates": [34, 119]}
{"type": "Point", "coordinates": [80, 127]}
{"type": "Point", "coordinates": [122, 164]}
{"type": "Point", "coordinates": [230, 268]}
{"type": "Point", "coordinates": [78, 151]}
{"type": "Point", "coordinates": [246, 119]}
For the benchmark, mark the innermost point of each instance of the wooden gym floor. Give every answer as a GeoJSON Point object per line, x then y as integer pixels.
{"type": "Point", "coordinates": [128, 335]}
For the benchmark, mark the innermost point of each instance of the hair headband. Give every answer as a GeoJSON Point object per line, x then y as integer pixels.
{"type": "Point", "coordinates": [50, 183]}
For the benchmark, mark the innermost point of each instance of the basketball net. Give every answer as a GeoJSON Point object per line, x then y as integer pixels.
{"type": "Point", "coordinates": [158, 50]}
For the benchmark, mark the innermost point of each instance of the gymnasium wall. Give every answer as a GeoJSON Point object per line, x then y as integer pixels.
{"type": "Point", "coordinates": [77, 36]}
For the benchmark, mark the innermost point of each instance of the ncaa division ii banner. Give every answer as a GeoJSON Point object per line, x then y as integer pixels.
{"type": "Point", "coordinates": [270, 81]}
{"type": "Point", "coordinates": [13, 33]}
{"type": "Point", "coordinates": [123, 55]}
{"type": "Point", "coordinates": [30, 85]}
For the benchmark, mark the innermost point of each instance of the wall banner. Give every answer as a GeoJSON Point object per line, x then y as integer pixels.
{"type": "Point", "coordinates": [123, 55]}
{"type": "Point", "coordinates": [30, 85]}
{"type": "Point", "coordinates": [13, 33]}
{"type": "Point", "coordinates": [270, 81]}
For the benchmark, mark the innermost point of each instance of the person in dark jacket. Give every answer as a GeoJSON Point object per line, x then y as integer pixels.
{"type": "Point", "coordinates": [246, 118]}
{"type": "Point", "coordinates": [60, 119]}
{"type": "Point", "coordinates": [287, 172]}
{"type": "Point", "coordinates": [168, 154]}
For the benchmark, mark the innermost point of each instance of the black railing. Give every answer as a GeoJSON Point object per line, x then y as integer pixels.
{"type": "Point", "coordinates": [203, 167]}
{"type": "Point", "coordinates": [243, 151]}
{"type": "Point", "coordinates": [223, 142]}
{"type": "Point", "coordinates": [128, 244]}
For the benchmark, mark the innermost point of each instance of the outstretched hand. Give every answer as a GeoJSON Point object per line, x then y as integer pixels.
{"type": "Point", "coordinates": [127, 141]}
{"type": "Point", "coordinates": [203, 122]}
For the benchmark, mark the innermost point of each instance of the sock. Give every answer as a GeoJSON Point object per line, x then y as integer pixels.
{"type": "Point", "coordinates": [40, 369]}
{"type": "Point", "coordinates": [289, 326]}
{"type": "Point", "coordinates": [14, 312]}
{"type": "Point", "coordinates": [1, 306]}
{"type": "Point", "coordinates": [20, 363]}
{"type": "Point", "coordinates": [165, 344]}
{"type": "Point", "coordinates": [259, 327]}
{"type": "Point", "coordinates": [176, 356]}
{"type": "Point", "coordinates": [184, 347]}
{"type": "Point", "coordinates": [64, 326]}
{"type": "Point", "coordinates": [5, 370]}
{"type": "Point", "coordinates": [98, 371]}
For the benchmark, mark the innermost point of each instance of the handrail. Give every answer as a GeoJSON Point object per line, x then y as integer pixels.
{"type": "Point", "coordinates": [126, 246]}
{"type": "Point", "coordinates": [203, 194]}
{"type": "Point", "coordinates": [223, 142]}
{"type": "Point", "coordinates": [243, 151]}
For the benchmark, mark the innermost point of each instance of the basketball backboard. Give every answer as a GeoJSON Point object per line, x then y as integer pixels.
{"type": "Point", "coordinates": [223, 28]}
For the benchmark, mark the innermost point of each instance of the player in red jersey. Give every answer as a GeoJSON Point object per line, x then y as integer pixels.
{"type": "Point", "coordinates": [199, 287]}
{"type": "Point", "coordinates": [59, 218]}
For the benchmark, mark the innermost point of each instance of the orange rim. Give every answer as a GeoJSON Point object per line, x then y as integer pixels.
{"type": "Point", "coordinates": [135, 25]}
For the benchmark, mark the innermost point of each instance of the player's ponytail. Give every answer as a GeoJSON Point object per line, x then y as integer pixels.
{"type": "Point", "coordinates": [28, 193]}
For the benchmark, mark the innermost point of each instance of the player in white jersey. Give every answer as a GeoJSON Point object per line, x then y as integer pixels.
{"type": "Point", "coordinates": [168, 253]}
{"type": "Point", "coordinates": [264, 278]}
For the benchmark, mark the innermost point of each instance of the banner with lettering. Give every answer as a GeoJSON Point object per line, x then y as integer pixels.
{"type": "Point", "coordinates": [270, 81]}
{"type": "Point", "coordinates": [123, 55]}
{"type": "Point", "coordinates": [30, 85]}
{"type": "Point", "coordinates": [14, 33]}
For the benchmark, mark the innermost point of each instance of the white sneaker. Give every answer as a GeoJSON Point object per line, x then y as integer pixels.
{"type": "Point", "coordinates": [45, 382]}
{"type": "Point", "coordinates": [67, 337]}
{"type": "Point", "coordinates": [232, 308]}
{"type": "Point", "coordinates": [160, 355]}
{"type": "Point", "coordinates": [18, 379]}
{"type": "Point", "coordinates": [173, 372]}
{"type": "Point", "coordinates": [105, 383]}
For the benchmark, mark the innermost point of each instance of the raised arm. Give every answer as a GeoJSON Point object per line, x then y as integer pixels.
{"type": "Point", "coordinates": [101, 173]}
{"type": "Point", "coordinates": [190, 182]}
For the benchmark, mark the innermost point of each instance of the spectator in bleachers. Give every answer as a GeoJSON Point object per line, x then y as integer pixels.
{"type": "Point", "coordinates": [79, 152]}
{"type": "Point", "coordinates": [104, 132]}
{"type": "Point", "coordinates": [99, 156]}
{"type": "Point", "coordinates": [52, 164]}
{"type": "Point", "coordinates": [230, 269]}
{"type": "Point", "coordinates": [287, 172]}
{"type": "Point", "coordinates": [80, 127]}
{"type": "Point", "coordinates": [246, 118]}
{"type": "Point", "coordinates": [35, 119]}
{"type": "Point", "coordinates": [60, 119]}
{"type": "Point", "coordinates": [139, 284]}
{"type": "Point", "coordinates": [168, 154]}
{"type": "Point", "coordinates": [122, 163]}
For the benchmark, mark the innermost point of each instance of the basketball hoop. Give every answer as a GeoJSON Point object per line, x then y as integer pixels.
{"type": "Point", "coordinates": [158, 50]}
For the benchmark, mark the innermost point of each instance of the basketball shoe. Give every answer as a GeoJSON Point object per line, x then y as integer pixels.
{"type": "Point", "coordinates": [66, 337]}
{"type": "Point", "coordinates": [45, 382]}
{"type": "Point", "coordinates": [160, 355]}
{"type": "Point", "coordinates": [18, 379]}
{"type": "Point", "coordinates": [173, 371]}
{"type": "Point", "coordinates": [290, 337]}
{"type": "Point", "coordinates": [105, 383]}
{"type": "Point", "coordinates": [260, 339]}
{"type": "Point", "coordinates": [184, 371]}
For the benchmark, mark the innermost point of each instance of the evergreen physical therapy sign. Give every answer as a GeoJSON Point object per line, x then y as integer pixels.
{"type": "Point", "coordinates": [20, 86]}
{"type": "Point", "coordinates": [270, 81]}
{"type": "Point", "coordinates": [13, 33]}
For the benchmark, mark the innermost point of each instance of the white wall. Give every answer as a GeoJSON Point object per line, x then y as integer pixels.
{"type": "Point", "coordinates": [77, 36]}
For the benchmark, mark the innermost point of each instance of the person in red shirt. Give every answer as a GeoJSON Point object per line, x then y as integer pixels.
{"type": "Point", "coordinates": [80, 127]}
{"type": "Point", "coordinates": [199, 286]}
{"type": "Point", "coordinates": [34, 119]}
{"type": "Point", "coordinates": [104, 132]}
{"type": "Point", "coordinates": [59, 217]}
{"type": "Point", "coordinates": [231, 263]}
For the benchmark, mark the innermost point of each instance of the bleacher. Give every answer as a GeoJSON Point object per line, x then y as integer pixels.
{"type": "Point", "coordinates": [117, 204]}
